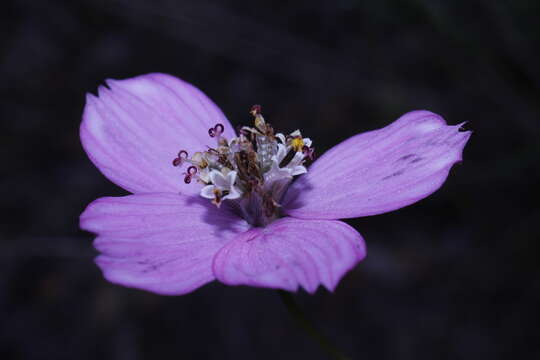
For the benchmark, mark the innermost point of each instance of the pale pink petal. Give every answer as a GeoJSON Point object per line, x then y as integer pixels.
{"type": "Point", "coordinates": [134, 129]}
{"type": "Point", "coordinates": [379, 171]}
{"type": "Point", "coordinates": [290, 253]}
{"type": "Point", "coordinates": [162, 243]}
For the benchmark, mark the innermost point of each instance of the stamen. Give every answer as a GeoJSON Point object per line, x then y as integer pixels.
{"type": "Point", "coordinates": [192, 170]}
{"type": "Point", "coordinates": [297, 143]}
{"type": "Point", "coordinates": [260, 124]}
{"type": "Point", "coordinates": [176, 161]}
{"type": "Point", "coordinates": [253, 169]}
{"type": "Point", "coordinates": [216, 130]}
{"type": "Point", "coordinates": [217, 197]}
{"type": "Point", "coordinates": [269, 205]}
{"type": "Point", "coordinates": [182, 156]}
{"type": "Point", "coordinates": [255, 110]}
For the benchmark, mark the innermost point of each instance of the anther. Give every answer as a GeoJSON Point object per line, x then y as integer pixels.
{"type": "Point", "coordinates": [255, 110]}
{"type": "Point", "coordinates": [176, 161]}
{"type": "Point", "coordinates": [182, 155]}
{"type": "Point", "coordinates": [216, 130]}
{"type": "Point", "coordinates": [192, 170]}
{"type": "Point", "coordinates": [297, 143]}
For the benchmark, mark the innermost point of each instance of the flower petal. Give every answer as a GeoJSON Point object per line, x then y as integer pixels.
{"type": "Point", "coordinates": [135, 128]}
{"type": "Point", "coordinates": [379, 171]}
{"type": "Point", "coordinates": [207, 192]}
{"type": "Point", "coordinates": [219, 180]}
{"type": "Point", "coordinates": [291, 252]}
{"type": "Point", "coordinates": [162, 243]}
{"type": "Point", "coordinates": [231, 178]}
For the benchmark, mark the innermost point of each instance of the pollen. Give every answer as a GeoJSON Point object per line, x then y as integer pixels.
{"type": "Point", "coordinates": [297, 144]}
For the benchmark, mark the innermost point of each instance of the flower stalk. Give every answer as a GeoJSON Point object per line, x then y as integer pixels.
{"type": "Point", "coordinates": [308, 327]}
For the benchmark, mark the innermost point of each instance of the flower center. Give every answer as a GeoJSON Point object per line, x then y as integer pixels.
{"type": "Point", "coordinates": [251, 171]}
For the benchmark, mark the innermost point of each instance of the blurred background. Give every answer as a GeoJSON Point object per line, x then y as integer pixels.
{"type": "Point", "coordinates": [455, 276]}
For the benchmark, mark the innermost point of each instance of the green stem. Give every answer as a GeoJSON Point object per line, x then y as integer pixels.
{"type": "Point", "coordinates": [308, 327]}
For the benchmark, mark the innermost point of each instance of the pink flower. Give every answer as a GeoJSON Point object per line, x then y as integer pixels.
{"type": "Point", "coordinates": [167, 238]}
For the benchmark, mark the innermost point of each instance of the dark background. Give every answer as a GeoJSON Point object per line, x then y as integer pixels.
{"type": "Point", "coordinates": [455, 276]}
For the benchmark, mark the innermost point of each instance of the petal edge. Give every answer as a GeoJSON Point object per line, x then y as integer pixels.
{"type": "Point", "coordinates": [291, 253]}
{"type": "Point", "coordinates": [134, 129]}
{"type": "Point", "coordinates": [379, 171]}
{"type": "Point", "coordinates": [163, 243]}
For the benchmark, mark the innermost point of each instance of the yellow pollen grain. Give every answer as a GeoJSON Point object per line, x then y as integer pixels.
{"type": "Point", "coordinates": [297, 144]}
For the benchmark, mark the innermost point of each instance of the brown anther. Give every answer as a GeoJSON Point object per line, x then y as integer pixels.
{"type": "Point", "coordinates": [217, 197]}
{"type": "Point", "coordinates": [269, 205]}
{"type": "Point", "coordinates": [246, 162]}
{"type": "Point", "coordinates": [255, 110]}
{"type": "Point", "coordinates": [223, 160]}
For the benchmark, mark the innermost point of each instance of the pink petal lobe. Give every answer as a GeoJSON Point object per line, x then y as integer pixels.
{"type": "Point", "coordinates": [379, 171]}
{"type": "Point", "coordinates": [290, 253]}
{"type": "Point", "coordinates": [159, 242]}
{"type": "Point", "coordinates": [135, 128]}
